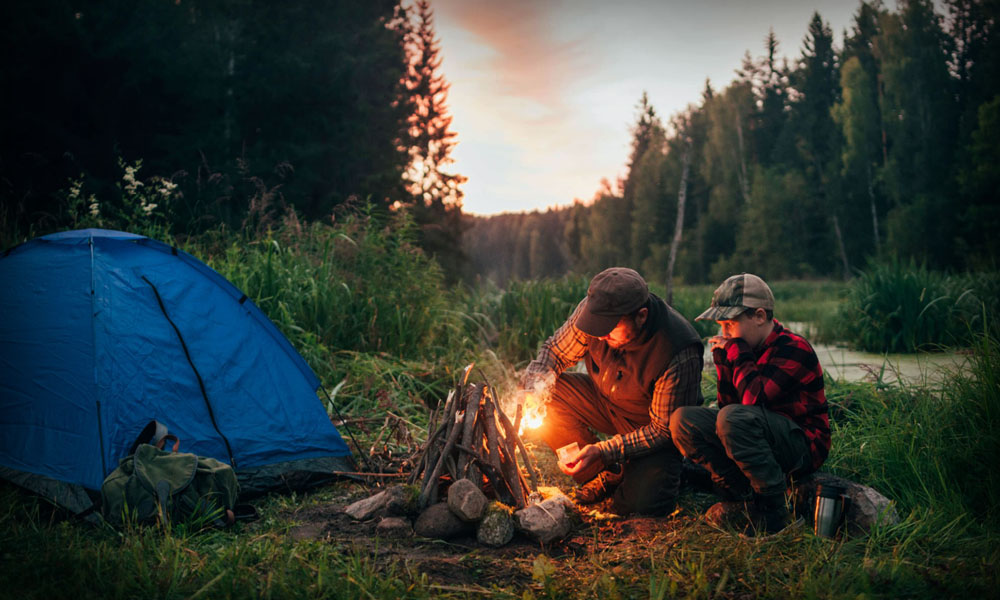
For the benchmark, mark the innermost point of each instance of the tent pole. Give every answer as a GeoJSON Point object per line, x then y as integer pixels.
{"type": "Point", "coordinates": [346, 426]}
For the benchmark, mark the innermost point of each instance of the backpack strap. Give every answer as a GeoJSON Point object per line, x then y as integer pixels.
{"type": "Point", "coordinates": [163, 440]}
{"type": "Point", "coordinates": [162, 494]}
{"type": "Point", "coordinates": [153, 433]}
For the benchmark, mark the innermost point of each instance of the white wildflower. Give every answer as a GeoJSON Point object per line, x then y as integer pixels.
{"type": "Point", "coordinates": [131, 183]}
{"type": "Point", "coordinates": [95, 207]}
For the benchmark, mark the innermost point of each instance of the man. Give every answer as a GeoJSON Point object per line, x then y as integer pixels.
{"type": "Point", "coordinates": [771, 421]}
{"type": "Point", "coordinates": [643, 360]}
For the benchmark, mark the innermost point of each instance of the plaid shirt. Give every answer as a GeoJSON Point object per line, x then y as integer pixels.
{"type": "Point", "coordinates": [680, 385]}
{"type": "Point", "coordinates": [782, 375]}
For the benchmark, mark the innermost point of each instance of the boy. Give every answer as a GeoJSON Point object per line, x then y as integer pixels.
{"type": "Point", "coordinates": [771, 421]}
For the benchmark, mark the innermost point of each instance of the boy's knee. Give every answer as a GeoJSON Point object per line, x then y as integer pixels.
{"type": "Point", "coordinates": [682, 424]}
{"type": "Point", "coordinates": [732, 419]}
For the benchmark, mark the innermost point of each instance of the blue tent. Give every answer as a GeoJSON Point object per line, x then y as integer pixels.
{"type": "Point", "coordinates": [104, 331]}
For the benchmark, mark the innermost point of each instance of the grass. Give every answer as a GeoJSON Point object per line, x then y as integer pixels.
{"type": "Point", "coordinates": [903, 307]}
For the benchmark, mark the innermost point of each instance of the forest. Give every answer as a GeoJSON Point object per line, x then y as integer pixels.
{"type": "Point", "coordinates": [240, 112]}
{"type": "Point", "coordinates": [801, 168]}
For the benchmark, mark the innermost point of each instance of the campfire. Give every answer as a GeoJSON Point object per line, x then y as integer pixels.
{"type": "Point", "coordinates": [467, 476]}
{"type": "Point", "coordinates": [472, 438]}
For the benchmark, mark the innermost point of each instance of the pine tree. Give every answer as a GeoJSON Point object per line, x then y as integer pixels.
{"type": "Point", "coordinates": [817, 83]}
{"type": "Point", "coordinates": [436, 193]}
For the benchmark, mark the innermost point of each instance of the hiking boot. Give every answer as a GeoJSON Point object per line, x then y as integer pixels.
{"type": "Point", "coordinates": [729, 514]}
{"type": "Point", "coordinates": [768, 516]}
{"type": "Point", "coordinates": [598, 488]}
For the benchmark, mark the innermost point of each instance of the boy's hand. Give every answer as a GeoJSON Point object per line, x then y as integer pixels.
{"type": "Point", "coordinates": [718, 342]}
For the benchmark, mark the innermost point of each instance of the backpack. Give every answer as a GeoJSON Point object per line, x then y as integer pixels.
{"type": "Point", "coordinates": [153, 485]}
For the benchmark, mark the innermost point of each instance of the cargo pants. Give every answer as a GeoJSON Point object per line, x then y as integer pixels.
{"type": "Point", "coordinates": [744, 447]}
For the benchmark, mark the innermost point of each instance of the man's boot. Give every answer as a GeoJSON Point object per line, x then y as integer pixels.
{"type": "Point", "coordinates": [598, 488]}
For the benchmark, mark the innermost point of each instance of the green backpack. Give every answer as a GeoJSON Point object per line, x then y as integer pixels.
{"type": "Point", "coordinates": [171, 487]}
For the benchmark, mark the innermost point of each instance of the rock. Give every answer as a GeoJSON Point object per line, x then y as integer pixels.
{"type": "Point", "coordinates": [467, 501]}
{"type": "Point", "coordinates": [402, 500]}
{"type": "Point", "coordinates": [367, 507]}
{"type": "Point", "coordinates": [394, 527]}
{"type": "Point", "coordinates": [548, 520]}
{"type": "Point", "coordinates": [497, 526]}
{"type": "Point", "coordinates": [396, 501]}
{"type": "Point", "coordinates": [867, 506]}
{"type": "Point", "coordinates": [439, 522]}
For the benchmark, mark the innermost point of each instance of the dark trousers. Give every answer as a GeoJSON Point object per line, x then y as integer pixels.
{"type": "Point", "coordinates": [743, 446]}
{"type": "Point", "coordinates": [576, 410]}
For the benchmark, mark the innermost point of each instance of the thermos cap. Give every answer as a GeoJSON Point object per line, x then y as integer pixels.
{"type": "Point", "coordinates": [828, 490]}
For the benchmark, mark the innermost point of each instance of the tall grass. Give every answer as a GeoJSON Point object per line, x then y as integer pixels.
{"type": "Point", "coordinates": [515, 320]}
{"type": "Point", "coordinates": [902, 307]}
{"type": "Point", "coordinates": [930, 450]}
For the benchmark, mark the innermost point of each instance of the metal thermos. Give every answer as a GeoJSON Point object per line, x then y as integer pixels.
{"type": "Point", "coordinates": [831, 508]}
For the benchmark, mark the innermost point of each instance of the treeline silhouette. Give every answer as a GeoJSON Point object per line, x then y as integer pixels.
{"type": "Point", "coordinates": [886, 146]}
{"type": "Point", "coordinates": [250, 109]}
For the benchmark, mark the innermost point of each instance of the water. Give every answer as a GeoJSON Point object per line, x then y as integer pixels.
{"type": "Point", "coordinates": [843, 364]}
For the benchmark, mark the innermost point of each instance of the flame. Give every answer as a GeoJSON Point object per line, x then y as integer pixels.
{"type": "Point", "coordinates": [534, 413]}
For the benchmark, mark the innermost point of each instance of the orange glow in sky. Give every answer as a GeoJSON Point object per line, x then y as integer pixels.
{"type": "Point", "coordinates": [543, 92]}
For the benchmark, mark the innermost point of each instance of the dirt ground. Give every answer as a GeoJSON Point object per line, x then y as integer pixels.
{"type": "Point", "coordinates": [462, 560]}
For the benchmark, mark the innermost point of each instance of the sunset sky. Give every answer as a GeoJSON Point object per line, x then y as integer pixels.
{"type": "Point", "coordinates": [543, 92]}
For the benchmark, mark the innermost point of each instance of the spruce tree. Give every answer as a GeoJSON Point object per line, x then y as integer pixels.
{"type": "Point", "coordinates": [436, 193]}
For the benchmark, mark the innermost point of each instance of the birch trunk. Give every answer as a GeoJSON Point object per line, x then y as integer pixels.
{"type": "Point", "coordinates": [871, 202]}
{"type": "Point", "coordinates": [744, 183]}
{"type": "Point", "coordinates": [679, 227]}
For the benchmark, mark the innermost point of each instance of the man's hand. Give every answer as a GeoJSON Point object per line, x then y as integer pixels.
{"type": "Point", "coordinates": [585, 459]}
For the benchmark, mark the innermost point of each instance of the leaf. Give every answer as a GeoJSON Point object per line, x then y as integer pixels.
{"type": "Point", "coordinates": [542, 568]}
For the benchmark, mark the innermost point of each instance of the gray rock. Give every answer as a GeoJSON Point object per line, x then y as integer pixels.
{"type": "Point", "coordinates": [867, 506]}
{"type": "Point", "coordinates": [439, 522]}
{"type": "Point", "coordinates": [497, 526]}
{"type": "Point", "coordinates": [402, 500]}
{"type": "Point", "coordinates": [548, 520]}
{"type": "Point", "coordinates": [466, 500]}
{"type": "Point", "coordinates": [368, 507]}
{"type": "Point", "coordinates": [395, 501]}
{"type": "Point", "coordinates": [394, 527]}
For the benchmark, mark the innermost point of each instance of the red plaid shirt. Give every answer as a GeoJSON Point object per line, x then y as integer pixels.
{"type": "Point", "coordinates": [782, 375]}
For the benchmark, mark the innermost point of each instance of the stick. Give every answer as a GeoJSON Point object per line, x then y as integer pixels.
{"type": "Point", "coordinates": [356, 473]}
{"type": "Point", "coordinates": [517, 415]}
{"type": "Point", "coordinates": [469, 423]}
{"type": "Point", "coordinates": [512, 432]}
{"type": "Point", "coordinates": [431, 491]}
{"type": "Point", "coordinates": [492, 435]}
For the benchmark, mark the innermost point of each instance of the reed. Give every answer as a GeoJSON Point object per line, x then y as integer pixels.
{"type": "Point", "coordinates": [894, 306]}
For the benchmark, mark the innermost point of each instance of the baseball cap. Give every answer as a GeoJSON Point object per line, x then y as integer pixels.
{"type": "Point", "coordinates": [736, 295]}
{"type": "Point", "coordinates": [613, 293]}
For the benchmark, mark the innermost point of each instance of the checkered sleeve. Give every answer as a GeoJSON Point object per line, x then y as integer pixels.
{"type": "Point", "coordinates": [724, 369]}
{"type": "Point", "coordinates": [680, 385]}
{"type": "Point", "coordinates": [561, 351]}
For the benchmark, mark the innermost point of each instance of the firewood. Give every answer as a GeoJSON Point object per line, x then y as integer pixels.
{"type": "Point", "coordinates": [512, 433]}
{"type": "Point", "coordinates": [469, 423]}
{"type": "Point", "coordinates": [430, 487]}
